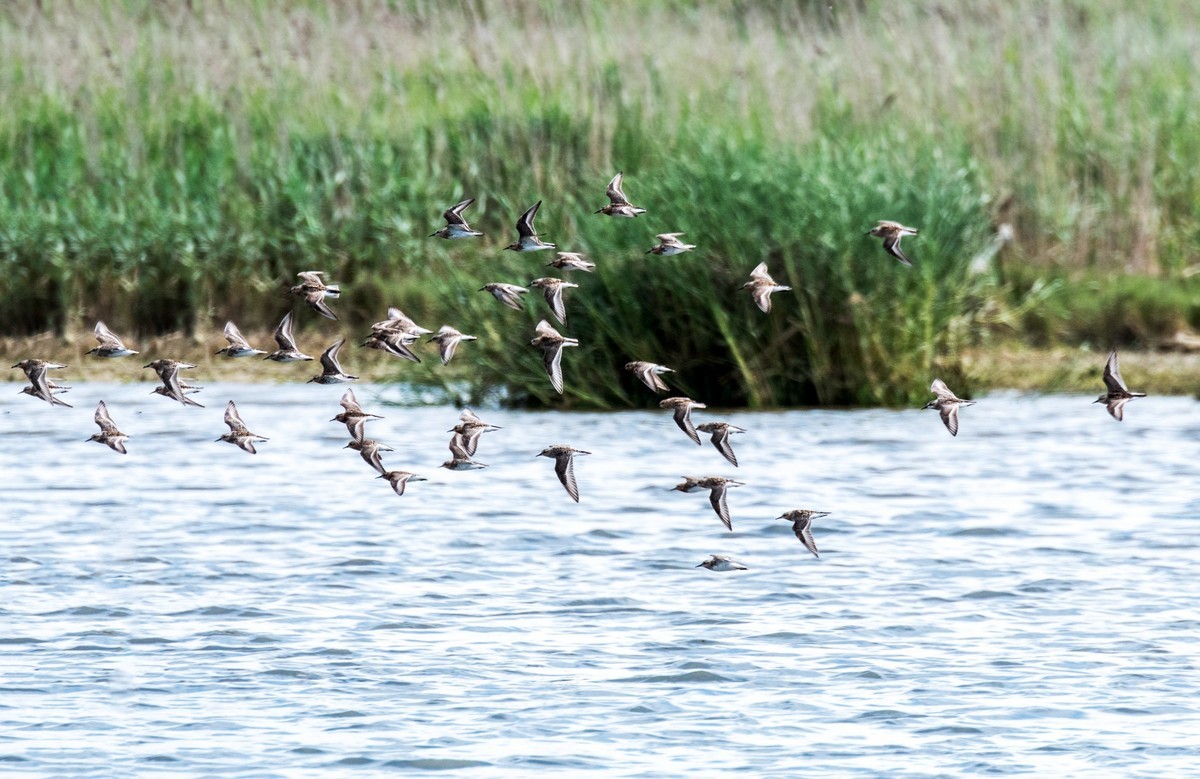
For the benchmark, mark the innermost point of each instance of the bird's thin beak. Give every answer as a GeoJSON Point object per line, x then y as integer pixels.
{"type": "Point", "coordinates": [701, 565]}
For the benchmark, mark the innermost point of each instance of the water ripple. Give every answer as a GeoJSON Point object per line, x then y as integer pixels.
{"type": "Point", "coordinates": [191, 609]}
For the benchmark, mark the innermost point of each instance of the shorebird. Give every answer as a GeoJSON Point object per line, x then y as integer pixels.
{"type": "Point", "coordinates": [52, 397]}
{"type": "Point", "coordinates": [1118, 394]}
{"type": "Point", "coordinates": [397, 321]}
{"type": "Point", "coordinates": [395, 334]}
{"type": "Point", "coordinates": [287, 351]}
{"type": "Point", "coordinates": [239, 435]}
{"type": "Point", "coordinates": [314, 291]}
{"type": "Point", "coordinates": [393, 342]}
{"type": "Point", "coordinates": [459, 459]}
{"type": "Point", "coordinates": [648, 373]}
{"type": "Point", "coordinates": [619, 205]}
{"type": "Point", "coordinates": [238, 345]}
{"type": "Point", "coordinates": [109, 434]}
{"type": "Point", "coordinates": [720, 438]}
{"type": "Point", "coordinates": [331, 369]}
{"type": "Point", "coordinates": [947, 404]}
{"type": "Point", "coordinates": [34, 367]}
{"type": "Point", "coordinates": [801, 520]}
{"type": "Point", "coordinates": [553, 290]}
{"type": "Point", "coordinates": [354, 418]}
{"type": "Point", "coordinates": [669, 244]}
{"type": "Point", "coordinates": [564, 466]}
{"type": "Point", "coordinates": [369, 448]}
{"type": "Point", "coordinates": [551, 342]}
{"type": "Point", "coordinates": [891, 233]}
{"type": "Point", "coordinates": [508, 294]}
{"type": "Point", "coordinates": [456, 227]}
{"type": "Point", "coordinates": [469, 428]}
{"type": "Point", "coordinates": [717, 487]}
{"type": "Point", "coordinates": [761, 285]}
{"type": "Point", "coordinates": [40, 385]}
{"type": "Point", "coordinates": [110, 345]}
{"type": "Point", "coordinates": [718, 562]}
{"type": "Point", "coordinates": [683, 414]}
{"type": "Point", "coordinates": [173, 386]}
{"type": "Point", "coordinates": [571, 261]}
{"type": "Point", "coordinates": [527, 237]}
{"type": "Point", "coordinates": [448, 340]}
{"type": "Point", "coordinates": [398, 479]}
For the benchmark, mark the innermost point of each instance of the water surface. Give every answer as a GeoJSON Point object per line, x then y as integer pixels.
{"type": "Point", "coordinates": [1020, 600]}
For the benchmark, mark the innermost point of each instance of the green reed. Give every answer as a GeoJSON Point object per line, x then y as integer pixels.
{"type": "Point", "coordinates": [179, 167]}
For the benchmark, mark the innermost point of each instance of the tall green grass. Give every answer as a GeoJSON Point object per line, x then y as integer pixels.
{"type": "Point", "coordinates": [166, 169]}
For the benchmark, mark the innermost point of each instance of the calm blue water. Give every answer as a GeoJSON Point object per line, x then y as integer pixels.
{"type": "Point", "coordinates": [1021, 600]}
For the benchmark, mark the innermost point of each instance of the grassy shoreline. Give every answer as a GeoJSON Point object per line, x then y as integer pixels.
{"type": "Point", "coordinates": [1001, 366]}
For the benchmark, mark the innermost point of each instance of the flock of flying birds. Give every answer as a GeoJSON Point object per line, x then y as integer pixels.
{"type": "Point", "coordinates": [396, 334]}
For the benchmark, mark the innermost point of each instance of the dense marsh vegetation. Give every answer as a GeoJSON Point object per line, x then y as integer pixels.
{"type": "Point", "coordinates": [169, 166]}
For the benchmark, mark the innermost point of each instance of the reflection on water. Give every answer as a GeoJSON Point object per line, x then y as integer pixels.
{"type": "Point", "coordinates": [1020, 599]}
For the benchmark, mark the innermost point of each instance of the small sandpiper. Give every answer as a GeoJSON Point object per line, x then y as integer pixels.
{"type": "Point", "coordinates": [456, 227]}
{"type": "Point", "coordinates": [173, 386]}
{"type": "Point", "coordinates": [459, 459]}
{"type": "Point", "coordinates": [469, 428]}
{"type": "Point", "coordinates": [287, 351]}
{"type": "Point", "coordinates": [314, 291]}
{"type": "Point", "coordinates": [552, 342]}
{"type": "Point", "coordinates": [761, 286]}
{"type": "Point", "coordinates": [40, 385]}
{"type": "Point", "coordinates": [398, 321]}
{"type": "Point", "coordinates": [50, 395]}
{"type": "Point", "coordinates": [369, 448]}
{"type": "Point", "coordinates": [619, 205]}
{"type": "Point", "coordinates": [354, 418]}
{"type": "Point", "coordinates": [35, 367]}
{"type": "Point", "coordinates": [527, 237]}
{"type": "Point", "coordinates": [801, 520]}
{"type": "Point", "coordinates": [669, 244]}
{"type": "Point", "coordinates": [331, 369]}
{"type": "Point", "coordinates": [717, 487]}
{"type": "Point", "coordinates": [718, 562]}
{"type": "Point", "coordinates": [648, 373]}
{"type": "Point", "coordinates": [110, 345]}
{"type": "Point", "coordinates": [239, 435]}
{"type": "Point", "coordinates": [109, 434]}
{"type": "Point", "coordinates": [720, 438]}
{"type": "Point", "coordinates": [683, 415]}
{"type": "Point", "coordinates": [1118, 394]}
{"type": "Point", "coordinates": [448, 339]}
{"type": "Point", "coordinates": [564, 466]}
{"type": "Point", "coordinates": [565, 261]}
{"type": "Point", "coordinates": [508, 294]}
{"type": "Point", "coordinates": [947, 404]}
{"type": "Point", "coordinates": [394, 342]}
{"type": "Point", "coordinates": [891, 233]}
{"type": "Point", "coordinates": [398, 479]}
{"type": "Point", "coordinates": [553, 290]}
{"type": "Point", "coordinates": [238, 345]}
